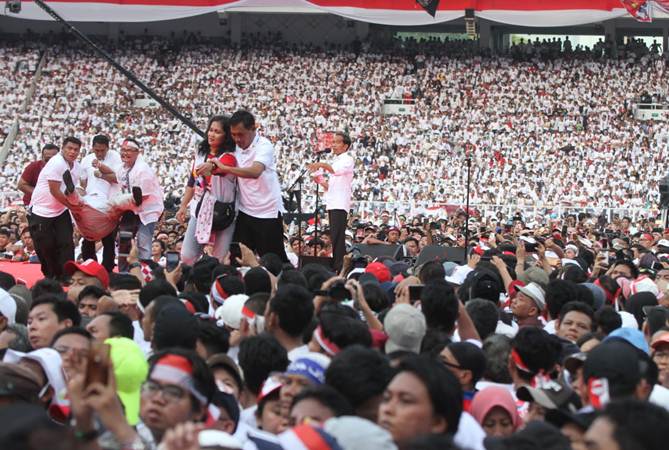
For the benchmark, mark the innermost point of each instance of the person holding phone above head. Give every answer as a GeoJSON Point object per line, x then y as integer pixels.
{"type": "Point", "coordinates": [207, 182]}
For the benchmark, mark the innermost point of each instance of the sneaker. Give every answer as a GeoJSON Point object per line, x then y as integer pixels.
{"type": "Point", "coordinates": [137, 195]}
{"type": "Point", "coordinates": [69, 184]}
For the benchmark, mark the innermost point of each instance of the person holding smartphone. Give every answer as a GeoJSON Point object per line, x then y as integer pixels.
{"type": "Point", "coordinates": [205, 176]}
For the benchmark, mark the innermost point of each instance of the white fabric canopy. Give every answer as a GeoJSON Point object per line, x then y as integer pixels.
{"type": "Point", "coordinates": [541, 13]}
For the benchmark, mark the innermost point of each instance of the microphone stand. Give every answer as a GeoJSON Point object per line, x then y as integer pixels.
{"type": "Point", "coordinates": [291, 191]}
{"type": "Point", "coordinates": [468, 159]}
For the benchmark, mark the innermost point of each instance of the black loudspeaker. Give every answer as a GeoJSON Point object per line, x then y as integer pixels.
{"type": "Point", "coordinates": [380, 250]}
{"type": "Point", "coordinates": [664, 193]}
{"type": "Point", "coordinates": [432, 252]}
{"type": "Point", "coordinates": [322, 260]}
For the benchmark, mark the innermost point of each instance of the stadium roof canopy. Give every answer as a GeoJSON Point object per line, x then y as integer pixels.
{"type": "Point", "coordinates": [537, 13]}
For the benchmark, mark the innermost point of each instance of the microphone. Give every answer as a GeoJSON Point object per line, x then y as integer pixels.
{"type": "Point", "coordinates": [326, 150]}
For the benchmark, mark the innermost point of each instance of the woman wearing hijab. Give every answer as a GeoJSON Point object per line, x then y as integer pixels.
{"type": "Point", "coordinates": [495, 409]}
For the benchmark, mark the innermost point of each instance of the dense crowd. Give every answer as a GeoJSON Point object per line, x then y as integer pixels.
{"type": "Point", "coordinates": [17, 64]}
{"type": "Point", "coordinates": [551, 128]}
{"type": "Point", "coordinates": [442, 330]}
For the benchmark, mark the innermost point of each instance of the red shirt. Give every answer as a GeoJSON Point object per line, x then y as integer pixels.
{"type": "Point", "coordinates": [30, 175]}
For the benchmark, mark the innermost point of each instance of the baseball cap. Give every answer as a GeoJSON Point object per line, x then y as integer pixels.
{"type": "Point", "coordinates": [660, 340]}
{"type": "Point", "coordinates": [224, 361]}
{"type": "Point", "coordinates": [535, 292]}
{"type": "Point", "coordinates": [534, 275]}
{"type": "Point", "coordinates": [664, 242]}
{"type": "Point", "coordinates": [130, 371]}
{"type": "Point", "coordinates": [270, 385]}
{"type": "Point", "coordinates": [380, 271]}
{"type": "Point", "coordinates": [230, 313]}
{"type": "Point", "coordinates": [312, 366]}
{"type": "Point", "coordinates": [552, 396]}
{"type": "Point", "coordinates": [7, 307]}
{"type": "Point", "coordinates": [405, 327]}
{"type": "Point", "coordinates": [18, 381]}
{"type": "Point", "coordinates": [615, 361]}
{"type": "Point", "coordinates": [574, 361]}
{"type": "Point", "coordinates": [89, 267]}
{"type": "Point", "coordinates": [536, 434]}
{"type": "Point", "coordinates": [631, 336]}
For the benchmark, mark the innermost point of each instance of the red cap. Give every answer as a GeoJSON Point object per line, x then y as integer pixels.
{"type": "Point", "coordinates": [89, 267]}
{"type": "Point", "coordinates": [380, 271]}
{"type": "Point", "coordinates": [662, 339]}
{"type": "Point", "coordinates": [393, 229]}
{"type": "Point", "coordinates": [647, 237]}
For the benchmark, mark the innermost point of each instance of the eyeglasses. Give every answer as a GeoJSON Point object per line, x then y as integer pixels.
{"type": "Point", "coordinates": [170, 392]}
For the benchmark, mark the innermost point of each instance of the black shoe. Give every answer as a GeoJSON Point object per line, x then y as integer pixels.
{"type": "Point", "coordinates": [69, 184]}
{"type": "Point", "coordinates": [137, 195]}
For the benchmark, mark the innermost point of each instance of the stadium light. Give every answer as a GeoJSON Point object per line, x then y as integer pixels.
{"type": "Point", "coordinates": [14, 6]}
{"type": "Point", "coordinates": [430, 6]}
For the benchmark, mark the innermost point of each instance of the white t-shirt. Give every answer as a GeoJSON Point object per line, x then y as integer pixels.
{"type": "Point", "coordinates": [338, 195]}
{"type": "Point", "coordinates": [42, 202]}
{"type": "Point", "coordinates": [97, 186]}
{"type": "Point", "coordinates": [259, 197]}
{"type": "Point", "coordinates": [298, 352]}
{"type": "Point", "coordinates": [143, 176]}
{"type": "Point", "coordinates": [470, 435]}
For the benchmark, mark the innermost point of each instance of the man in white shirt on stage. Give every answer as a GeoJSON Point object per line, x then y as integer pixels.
{"type": "Point", "coordinates": [136, 173]}
{"type": "Point", "coordinates": [48, 217]}
{"type": "Point", "coordinates": [99, 180]}
{"type": "Point", "coordinates": [259, 221]}
{"type": "Point", "coordinates": [338, 191]}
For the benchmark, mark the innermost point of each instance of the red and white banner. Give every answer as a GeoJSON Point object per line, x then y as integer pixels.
{"type": "Point", "coordinates": [391, 12]}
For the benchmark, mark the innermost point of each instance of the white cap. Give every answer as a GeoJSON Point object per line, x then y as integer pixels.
{"type": "Point", "coordinates": [7, 307]}
{"type": "Point", "coordinates": [230, 313]}
{"type": "Point", "coordinates": [534, 291]}
{"type": "Point", "coordinates": [216, 438]}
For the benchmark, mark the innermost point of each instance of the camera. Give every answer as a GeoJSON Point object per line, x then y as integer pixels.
{"type": "Point", "coordinates": [14, 6]}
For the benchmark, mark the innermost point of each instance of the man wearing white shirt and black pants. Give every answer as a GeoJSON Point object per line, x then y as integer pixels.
{"type": "Point", "coordinates": [259, 223]}
{"type": "Point", "coordinates": [49, 219]}
{"type": "Point", "coordinates": [136, 176]}
{"type": "Point", "coordinates": [338, 191]}
{"type": "Point", "coordinates": [98, 178]}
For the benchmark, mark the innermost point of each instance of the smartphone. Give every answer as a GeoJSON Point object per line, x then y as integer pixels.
{"type": "Point", "coordinates": [124, 243]}
{"type": "Point", "coordinates": [605, 243]}
{"type": "Point", "coordinates": [415, 291]}
{"type": "Point", "coordinates": [97, 366]}
{"type": "Point", "coordinates": [235, 252]}
{"type": "Point", "coordinates": [172, 261]}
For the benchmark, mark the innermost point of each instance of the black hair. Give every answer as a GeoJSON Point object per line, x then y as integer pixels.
{"type": "Point", "coordinates": [585, 295]}
{"type": "Point", "coordinates": [123, 281]}
{"type": "Point", "coordinates": [484, 282]}
{"type": "Point", "coordinates": [272, 263]}
{"type": "Point", "coordinates": [120, 325]}
{"type": "Point", "coordinates": [292, 276]}
{"type": "Point", "coordinates": [258, 357]}
{"type": "Point", "coordinates": [63, 309]}
{"type": "Point", "coordinates": [539, 351]}
{"type": "Point", "coordinates": [638, 424]}
{"type": "Point", "coordinates": [578, 307]}
{"type": "Point", "coordinates": [376, 298]}
{"type": "Point", "coordinates": [91, 291]}
{"type": "Point", "coordinates": [327, 396]}
{"type": "Point", "coordinates": [634, 270]}
{"type": "Point", "coordinates": [656, 319]}
{"type": "Point", "coordinates": [294, 308]}
{"type": "Point", "coordinates": [174, 326]}
{"type": "Point", "coordinates": [346, 139]}
{"type": "Point", "coordinates": [201, 274]}
{"type": "Point", "coordinates": [439, 305]}
{"type": "Point", "coordinates": [484, 314]}
{"type": "Point", "coordinates": [73, 140]}
{"type": "Point", "coordinates": [359, 374]}
{"type": "Point", "coordinates": [47, 286]}
{"type": "Point", "coordinates": [589, 336]}
{"type": "Point", "coordinates": [441, 385]}
{"type": "Point", "coordinates": [197, 299]}
{"type": "Point", "coordinates": [101, 139]}
{"type": "Point", "coordinates": [341, 325]}
{"type": "Point", "coordinates": [470, 357]}
{"type": "Point", "coordinates": [558, 293]}
{"type": "Point", "coordinates": [431, 270]}
{"type": "Point", "coordinates": [257, 302]}
{"type": "Point", "coordinates": [49, 147]}
{"type": "Point", "coordinates": [203, 380]}
{"type": "Point", "coordinates": [607, 319]}
{"type": "Point", "coordinates": [7, 281]}
{"type": "Point", "coordinates": [213, 338]}
{"type": "Point", "coordinates": [155, 288]}
{"type": "Point", "coordinates": [243, 117]}
{"type": "Point", "coordinates": [228, 144]}
{"type": "Point", "coordinates": [71, 330]}
{"type": "Point", "coordinates": [257, 280]}
{"type": "Point", "coordinates": [5, 232]}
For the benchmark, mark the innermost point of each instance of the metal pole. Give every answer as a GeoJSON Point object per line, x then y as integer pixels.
{"type": "Point", "coordinates": [120, 68]}
{"type": "Point", "coordinates": [469, 179]}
